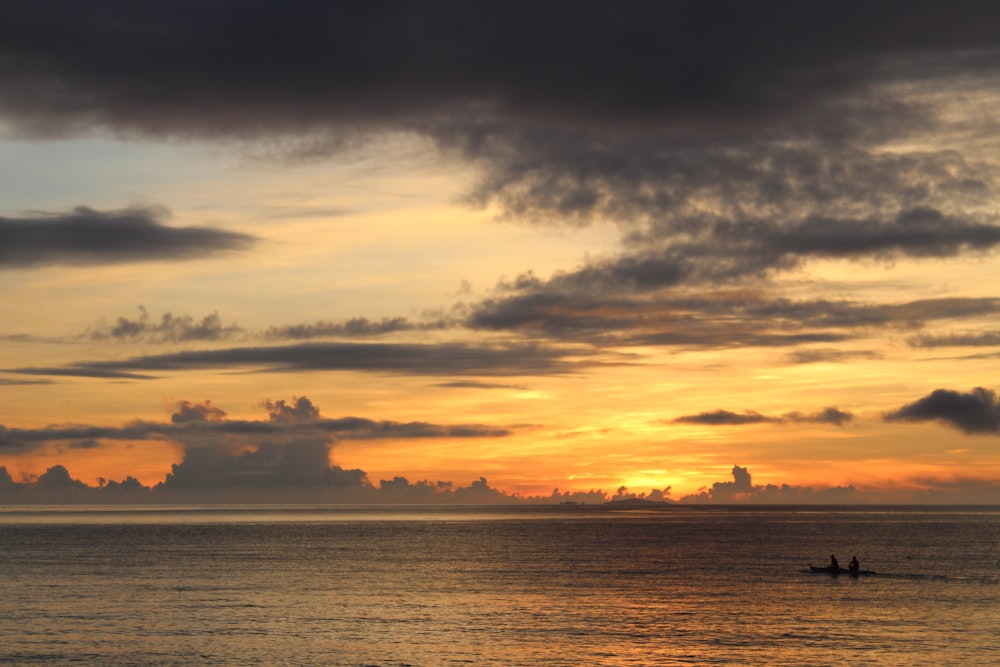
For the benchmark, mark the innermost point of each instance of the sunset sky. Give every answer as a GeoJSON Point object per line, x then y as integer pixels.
{"type": "Point", "coordinates": [386, 250]}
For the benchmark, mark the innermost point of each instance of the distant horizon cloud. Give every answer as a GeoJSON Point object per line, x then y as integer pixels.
{"type": "Point", "coordinates": [331, 484]}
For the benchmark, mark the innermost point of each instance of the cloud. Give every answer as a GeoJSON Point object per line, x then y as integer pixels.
{"type": "Point", "coordinates": [85, 236]}
{"type": "Point", "coordinates": [730, 150]}
{"type": "Point", "coordinates": [354, 327]}
{"type": "Point", "coordinates": [578, 64]}
{"type": "Point", "coordinates": [974, 413]}
{"type": "Point", "coordinates": [830, 356]}
{"type": "Point", "coordinates": [742, 490]}
{"type": "Point", "coordinates": [725, 418]}
{"type": "Point", "coordinates": [13, 382]}
{"type": "Point", "coordinates": [983, 339]}
{"type": "Point", "coordinates": [606, 312]}
{"type": "Point", "coordinates": [481, 385]}
{"type": "Point", "coordinates": [197, 412]}
{"type": "Point", "coordinates": [204, 424]}
{"type": "Point", "coordinates": [410, 359]}
{"type": "Point", "coordinates": [830, 415]}
{"type": "Point", "coordinates": [169, 329]}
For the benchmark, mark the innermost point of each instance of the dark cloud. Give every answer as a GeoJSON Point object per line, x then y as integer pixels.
{"type": "Point", "coordinates": [732, 140]}
{"type": "Point", "coordinates": [206, 425]}
{"type": "Point", "coordinates": [984, 339]}
{"type": "Point", "coordinates": [976, 412]}
{"type": "Point", "coordinates": [354, 327]}
{"type": "Point", "coordinates": [231, 68]}
{"type": "Point", "coordinates": [743, 490]}
{"type": "Point", "coordinates": [611, 313]}
{"type": "Point", "coordinates": [481, 385]}
{"type": "Point", "coordinates": [828, 355]}
{"type": "Point", "coordinates": [409, 359]}
{"type": "Point", "coordinates": [169, 329]}
{"type": "Point", "coordinates": [13, 382]}
{"type": "Point", "coordinates": [830, 415]}
{"type": "Point", "coordinates": [266, 476]}
{"type": "Point", "coordinates": [197, 412]}
{"type": "Point", "coordinates": [85, 236]}
{"type": "Point", "coordinates": [300, 409]}
{"type": "Point", "coordinates": [725, 418]}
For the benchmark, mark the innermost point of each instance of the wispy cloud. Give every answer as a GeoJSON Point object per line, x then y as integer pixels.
{"type": "Point", "coordinates": [408, 359]}
{"type": "Point", "coordinates": [829, 415]}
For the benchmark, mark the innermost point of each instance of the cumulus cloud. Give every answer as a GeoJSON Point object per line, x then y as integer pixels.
{"type": "Point", "coordinates": [829, 415]}
{"type": "Point", "coordinates": [976, 412]}
{"type": "Point", "coordinates": [86, 236]}
{"type": "Point", "coordinates": [197, 412]}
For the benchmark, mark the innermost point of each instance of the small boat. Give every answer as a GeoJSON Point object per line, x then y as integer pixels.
{"type": "Point", "coordinates": [834, 571]}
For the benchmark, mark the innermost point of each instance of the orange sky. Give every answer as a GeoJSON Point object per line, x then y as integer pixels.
{"type": "Point", "coordinates": [548, 274]}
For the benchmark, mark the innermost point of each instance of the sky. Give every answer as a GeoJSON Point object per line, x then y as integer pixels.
{"type": "Point", "coordinates": [690, 251]}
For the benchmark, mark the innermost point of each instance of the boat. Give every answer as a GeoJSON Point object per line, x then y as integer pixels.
{"type": "Point", "coordinates": [834, 571]}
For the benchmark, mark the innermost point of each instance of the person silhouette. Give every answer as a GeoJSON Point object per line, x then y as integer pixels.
{"type": "Point", "coordinates": [834, 565]}
{"type": "Point", "coordinates": [854, 565]}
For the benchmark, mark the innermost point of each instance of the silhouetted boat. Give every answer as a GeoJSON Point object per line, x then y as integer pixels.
{"type": "Point", "coordinates": [838, 571]}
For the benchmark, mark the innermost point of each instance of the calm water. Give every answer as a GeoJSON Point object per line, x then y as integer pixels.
{"type": "Point", "coordinates": [522, 586]}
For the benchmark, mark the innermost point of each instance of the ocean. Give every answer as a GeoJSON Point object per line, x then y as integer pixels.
{"type": "Point", "coordinates": [510, 586]}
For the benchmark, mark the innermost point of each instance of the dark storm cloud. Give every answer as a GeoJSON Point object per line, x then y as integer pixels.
{"type": "Point", "coordinates": [85, 236]}
{"type": "Point", "coordinates": [830, 415]}
{"type": "Point", "coordinates": [247, 68]}
{"type": "Point", "coordinates": [976, 412]}
{"type": "Point", "coordinates": [405, 359]}
{"type": "Point", "coordinates": [731, 139]}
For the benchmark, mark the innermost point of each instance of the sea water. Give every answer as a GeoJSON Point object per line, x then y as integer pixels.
{"type": "Point", "coordinates": [498, 586]}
